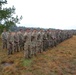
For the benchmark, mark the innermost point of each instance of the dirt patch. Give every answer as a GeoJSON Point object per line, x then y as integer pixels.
{"type": "Point", "coordinates": [5, 63]}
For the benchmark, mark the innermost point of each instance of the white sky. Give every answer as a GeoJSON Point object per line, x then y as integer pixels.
{"type": "Point", "coordinates": [46, 13]}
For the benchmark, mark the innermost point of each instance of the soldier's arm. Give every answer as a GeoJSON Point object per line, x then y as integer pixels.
{"type": "Point", "coordinates": [1, 36]}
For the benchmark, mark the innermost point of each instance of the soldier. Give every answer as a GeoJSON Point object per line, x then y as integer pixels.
{"type": "Point", "coordinates": [4, 36]}
{"type": "Point", "coordinates": [48, 38]}
{"type": "Point", "coordinates": [21, 40]}
{"type": "Point", "coordinates": [10, 42]}
{"type": "Point", "coordinates": [42, 33]}
{"type": "Point", "coordinates": [16, 42]}
{"type": "Point", "coordinates": [54, 38]}
{"type": "Point", "coordinates": [45, 45]}
{"type": "Point", "coordinates": [34, 42]}
{"type": "Point", "coordinates": [58, 36]}
{"type": "Point", "coordinates": [40, 41]}
{"type": "Point", "coordinates": [27, 44]}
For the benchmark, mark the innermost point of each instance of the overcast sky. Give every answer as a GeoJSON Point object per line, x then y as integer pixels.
{"type": "Point", "coordinates": [46, 13]}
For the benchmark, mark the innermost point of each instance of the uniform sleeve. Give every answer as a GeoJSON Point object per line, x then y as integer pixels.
{"type": "Point", "coordinates": [2, 36]}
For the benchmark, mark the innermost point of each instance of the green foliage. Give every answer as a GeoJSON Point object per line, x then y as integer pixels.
{"type": "Point", "coordinates": [6, 16]}
{"type": "Point", "coordinates": [1, 28]}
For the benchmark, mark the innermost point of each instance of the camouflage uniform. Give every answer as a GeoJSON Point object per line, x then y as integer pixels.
{"type": "Point", "coordinates": [45, 41]}
{"type": "Point", "coordinates": [50, 39]}
{"type": "Point", "coordinates": [38, 47]}
{"type": "Point", "coordinates": [34, 42]}
{"type": "Point", "coordinates": [40, 41]}
{"type": "Point", "coordinates": [27, 44]}
{"type": "Point", "coordinates": [10, 43]}
{"type": "Point", "coordinates": [21, 40]}
{"type": "Point", "coordinates": [4, 36]}
{"type": "Point", "coordinates": [16, 42]}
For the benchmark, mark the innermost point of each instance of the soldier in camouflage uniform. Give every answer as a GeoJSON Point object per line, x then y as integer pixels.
{"type": "Point", "coordinates": [50, 38]}
{"type": "Point", "coordinates": [34, 42]}
{"type": "Point", "coordinates": [41, 40]}
{"type": "Point", "coordinates": [45, 40]}
{"type": "Point", "coordinates": [38, 43]}
{"type": "Point", "coordinates": [54, 38]}
{"type": "Point", "coordinates": [10, 43]}
{"type": "Point", "coordinates": [16, 42]}
{"type": "Point", "coordinates": [21, 39]}
{"type": "Point", "coordinates": [27, 44]}
{"type": "Point", "coordinates": [4, 36]}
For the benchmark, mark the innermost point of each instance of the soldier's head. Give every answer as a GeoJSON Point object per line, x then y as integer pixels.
{"type": "Point", "coordinates": [21, 30]}
{"type": "Point", "coordinates": [4, 30]}
{"type": "Point", "coordinates": [48, 30]}
{"type": "Point", "coordinates": [28, 30]}
{"type": "Point", "coordinates": [41, 30]}
{"type": "Point", "coordinates": [34, 30]}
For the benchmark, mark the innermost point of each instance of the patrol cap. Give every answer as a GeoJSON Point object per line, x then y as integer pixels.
{"type": "Point", "coordinates": [27, 28]}
{"type": "Point", "coordinates": [20, 29]}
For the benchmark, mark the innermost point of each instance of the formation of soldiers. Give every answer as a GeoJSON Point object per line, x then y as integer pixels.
{"type": "Point", "coordinates": [33, 41]}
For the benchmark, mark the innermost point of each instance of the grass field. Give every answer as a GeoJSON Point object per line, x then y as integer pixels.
{"type": "Point", "coordinates": [60, 60]}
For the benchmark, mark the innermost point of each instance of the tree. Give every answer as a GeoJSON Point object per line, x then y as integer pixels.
{"type": "Point", "coordinates": [6, 16]}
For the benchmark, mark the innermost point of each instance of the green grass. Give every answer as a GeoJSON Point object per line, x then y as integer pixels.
{"type": "Point", "coordinates": [27, 62]}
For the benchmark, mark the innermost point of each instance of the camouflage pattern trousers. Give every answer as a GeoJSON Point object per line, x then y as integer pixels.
{"type": "Point", "coordinates": [16, 47]}
{"type": "Point", "coordinates": [33, 48]}
{"type": "Point", "coordinates": [4, 44]}
{"type": "Point", "coordinates": [10, 48]}
{"type": "Point", "coordinates": [39, 46]}
{"type": "Point", "coordinates": [27, 50]}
